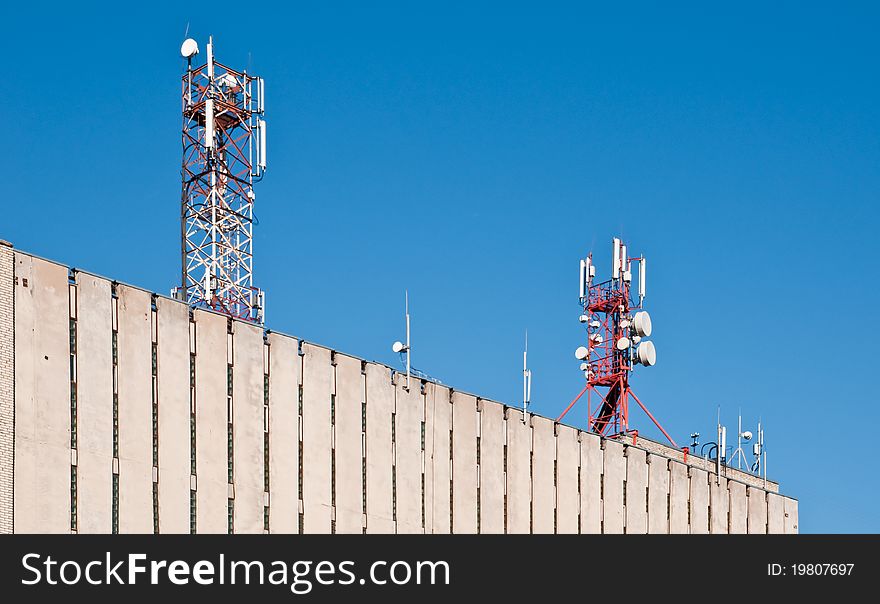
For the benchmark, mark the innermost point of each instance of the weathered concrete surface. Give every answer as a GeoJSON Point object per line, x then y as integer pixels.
{"type": "Point", "coordinates": [543, 489]}
{"type": "Point", "coordinates": [719, 502]}
{"type": "Point", "coordinates": [317, 454]}
{"type": "Point", "coordinates": [380, 406]}
{"type": "Point", "coordinates": [491, 471]}
{"type": "Point", "coordinates": [42, 397]}
{"type": "Point", "coordinates": [348, 441]}
{"type": "Point", "coordinates": [775, 514]}
{"type": "Point", "coordinates": [757, 511]}
{"type": "Point", "coordinates": [408, 414]}
{"type": "Point", "coordinates": [174, 407]}
{"type": "Point", "coordinates": [790, 508]}
{"type": "Point", "coordinates": [678, 498]}
{"type": "Point", "coordinates": [247, 427]}
{"type": "Point", "coordinates": [284, 377]}
{"type": "Point", "coordinates": [591, 483]}
{"type": "Point", "coordinates": [699, 502]}
{"type": "Point", "coordinates": [636, 492]}
{"type": "Point", "coordinates": [438, 467]}
{"type": "Point", "coordinates": [738, 508]}
{"type": "Point", "coordinates": [135, 411]}
{"type": "Point", "coordinates": [7, 386]}
{"type": "Point", "coordinates": [658, 494]}
{"type": "Point", "coordinates": [612, 488]}
{"type": "Point", "coordinates": [94, 354]}
{"type": "Point", "coordinates": [567, 466]}
{"type": "Point", "coordinates": [464, 463]}
{"type": "Point", "coordinates": [519, 484]}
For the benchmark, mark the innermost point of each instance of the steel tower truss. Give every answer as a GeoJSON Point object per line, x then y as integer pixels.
{"type": "Point", "coordinates": [224, 153]}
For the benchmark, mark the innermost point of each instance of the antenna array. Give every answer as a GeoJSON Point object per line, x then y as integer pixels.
{"type": "Point", "coordinates": [224, 153]}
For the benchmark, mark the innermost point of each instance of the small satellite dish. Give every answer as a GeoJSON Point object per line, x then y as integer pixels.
{"type": "Point", "coordinates": [585, 367]}
{"type": "Point", "coordinates": [398, 347]}
{"type": "Point", "coordinates": [189, 48]}
{"type": "Point", "coordinates": [596, 339]}
{"type": "Point", "coordinates": [624, 323]}
{"type": "Point", "coordinates": [747, 435]}
{"type": "Point", "coordinates": [581, 353]}
{"type": "Point", "coordinates": [641, 324]}
{"type": "Point", "coordinates": [583, 318]}
{"type": "Point", "coordinates": [646, 354]}
{"type": "Point", "coordinates": [622, 343]}
{"type": "Point", "coordinates": [595, 324]}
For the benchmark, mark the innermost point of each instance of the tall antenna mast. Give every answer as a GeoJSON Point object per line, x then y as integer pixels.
{"type": "Point", "coordinates": [527, 378]}
{"type": "Point", "coordinates": [402, 348]}
{"type": "Point", "coordinates": [616, 327]}
{"type": "Point", "coordinates": [224, 153]}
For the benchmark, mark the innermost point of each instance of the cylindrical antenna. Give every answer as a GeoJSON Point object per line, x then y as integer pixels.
{"type": "Point", "coordinates": [262, 141]}
{"type": "Point", "coordinates": [615, 260]}
{"type": "Point", "coordinates": [408, 352]}
{"type": "Point", "coordinates": [209, 123]}
{"type": "Point", "coordinates": [641, 279]}
{"type": "Point", "coordinates": [583, 277]}
{"type": "Point", "coordinates": [211, 58]}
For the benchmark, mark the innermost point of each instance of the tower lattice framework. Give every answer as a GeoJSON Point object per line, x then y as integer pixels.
{"type": "Point", "coordinates": [224, 154]}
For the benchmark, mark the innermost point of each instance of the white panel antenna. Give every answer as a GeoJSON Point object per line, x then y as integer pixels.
{"type": "Point", "coordinates": [527, 378]}
{"type": "Point", "coordinates": [641, 279]}
{"type": "Point", "coordinates": [261, 154]}
{"type": "Point", "coordinates": [615, 260]}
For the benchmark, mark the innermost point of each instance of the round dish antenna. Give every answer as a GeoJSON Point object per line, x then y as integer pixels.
{"type": "Point", "coordinates": [189, 48]}
{"type": "Point", "coordinates": [646, 354]}
{"type": "Point", "coordinates": [641, 324]}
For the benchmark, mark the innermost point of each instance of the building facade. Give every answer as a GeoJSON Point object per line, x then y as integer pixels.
{"type": "Point", "coordinates": [123, 411]}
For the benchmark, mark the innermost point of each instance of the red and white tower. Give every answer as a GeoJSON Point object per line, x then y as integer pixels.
{"type": "Point", "coordinates": [224, 153]}
{"type": "Point", "coordinates": [617, 328]}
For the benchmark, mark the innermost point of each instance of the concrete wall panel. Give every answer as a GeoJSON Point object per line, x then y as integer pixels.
{"type": "Point", "coordinates": [464, 463]}
{"type": "Point", "coordinates": [135, 375]}
{"type": "Point", "coordinates": [42, 397]}
{"type": "Point", "coordinates": [567, 487]}
{"type": "Point", "coordinates": [317, 454]}
{"type": "Point", "coordinates": [636, 509]}
{"type": "Point", "coordinates": [409, 411]}
{"type": "Point", "coordinates": [775, 514]}
{"type": "Point", "coordinates": [212, 483]}
{"type": "Point", "coordinates": [543, 462]}
{"type": "Point", "coordinates": [719, 502]}
{"type": "Point", "coordinates": [738, 508]}
{"type": "Point", "coordinates": [348, 458]}
{"type": "Point", "coordinates": [699, 501]}
{"type": "Point", "coordinates": [757, 511]}
{"type": "Point", "coordinates": [174, 442]}
{"type": "Point", "coordinates": [592, 463]}
{"type": "Point", "coordinates": [438, 423]}
{"type": "Point", "coordinates": [284, 368]}
{"type": "Point", "coordinates": [380, 406]}
{"type": "Point", "coordinates": [491, 472]}
{"type": "Point", "coordinates": [612, 487]}
{"type": "Point", "coordinates": [678, 498]}
{"type": "Point", "coordinates": [519, 477]}
{"type": "Point", "coordinates": [790, 509]}
{"type": "Point", "coordinates": [658, 494]}
{"type": "Point", "coordinates": [94, 404]}
{"type": "Point", "coordinates": [247, 427]}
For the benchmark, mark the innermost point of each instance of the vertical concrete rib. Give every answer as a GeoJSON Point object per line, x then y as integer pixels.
{"type": "Point", "coordinates": [7, 385]}
{"type": "Point", "coordinates": [679, 488]}
{"type": "Point", "coordinates": [567, 487]}
{"type": "Point", "coordinates": [380, 406]}
{"type": "Point", "coordinates": [738, 507]}
{"type": "Point", "coordinates": [464, 463]}
{"type": "Point", "coordinates": [317, 455]}
{"type": "Point", "coordinates": [408, 414]}
{"type": "Point", "coordinates": [347, 444]}
{"type": "Point", "coordinates": [174, 443]}
{"type": "Point", "coordinates": [438, 423]}
{"type": "Point", "coordinates": [247, 427]}
{"type": "Point", "coordinates": [42, 397]}
{"type": "Point", "coordinates": [591, 483]}
{"type": "Point", "coordinates": [636, 508]}
{"type": "Point", "coordinates": [284, 365]}
{"type": "Point", "coordinates": [658, 494]}
{"type": "Point", "coordinates": [519, 481]}
{"type": "Point", "coordinates": [491, 470]}
{"type": "Point", "coordinates": [699, 501]}
{"type": "Point", "coordinates": [612, 487]}
{"type": "Point", "coordinates": [719, 503]}
{"type": "Point", "coordinates": [94, 404]}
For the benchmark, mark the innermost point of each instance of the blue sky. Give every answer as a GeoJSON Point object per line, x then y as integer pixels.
{"type": "Point", "coordinates": [472, 152]}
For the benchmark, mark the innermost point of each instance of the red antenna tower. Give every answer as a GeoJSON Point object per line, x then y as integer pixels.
{"type": "Point", "coordinates": [616, 326]}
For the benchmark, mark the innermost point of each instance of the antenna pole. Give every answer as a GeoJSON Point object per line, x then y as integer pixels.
{"type": "Point", "coordinates": [408, 352]}
{"type": "Point", "coordinates": [527, 377]}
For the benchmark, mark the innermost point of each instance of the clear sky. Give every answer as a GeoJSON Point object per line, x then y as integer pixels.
{"type": "Point", "coordinates": [472, 152]}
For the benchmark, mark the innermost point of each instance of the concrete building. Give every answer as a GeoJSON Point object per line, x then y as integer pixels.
{"type": "Point", "coordinates": [123, 411]}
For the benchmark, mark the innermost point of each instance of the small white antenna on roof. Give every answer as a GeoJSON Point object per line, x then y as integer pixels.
{"type": "Point", "coordinates": [400, 346]}
{"type": "Point", "coordinates": [527, 378]}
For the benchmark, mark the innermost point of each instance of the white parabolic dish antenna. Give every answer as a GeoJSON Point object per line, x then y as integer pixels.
{"type": "Point", "coordinates": [646, 354]}
{"type": "Point", "coordinates": [189, 48]}
{"type": "Point", "coordinates": [581, 353]}
{"type": "Point", "coordinates": [641, 324]}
